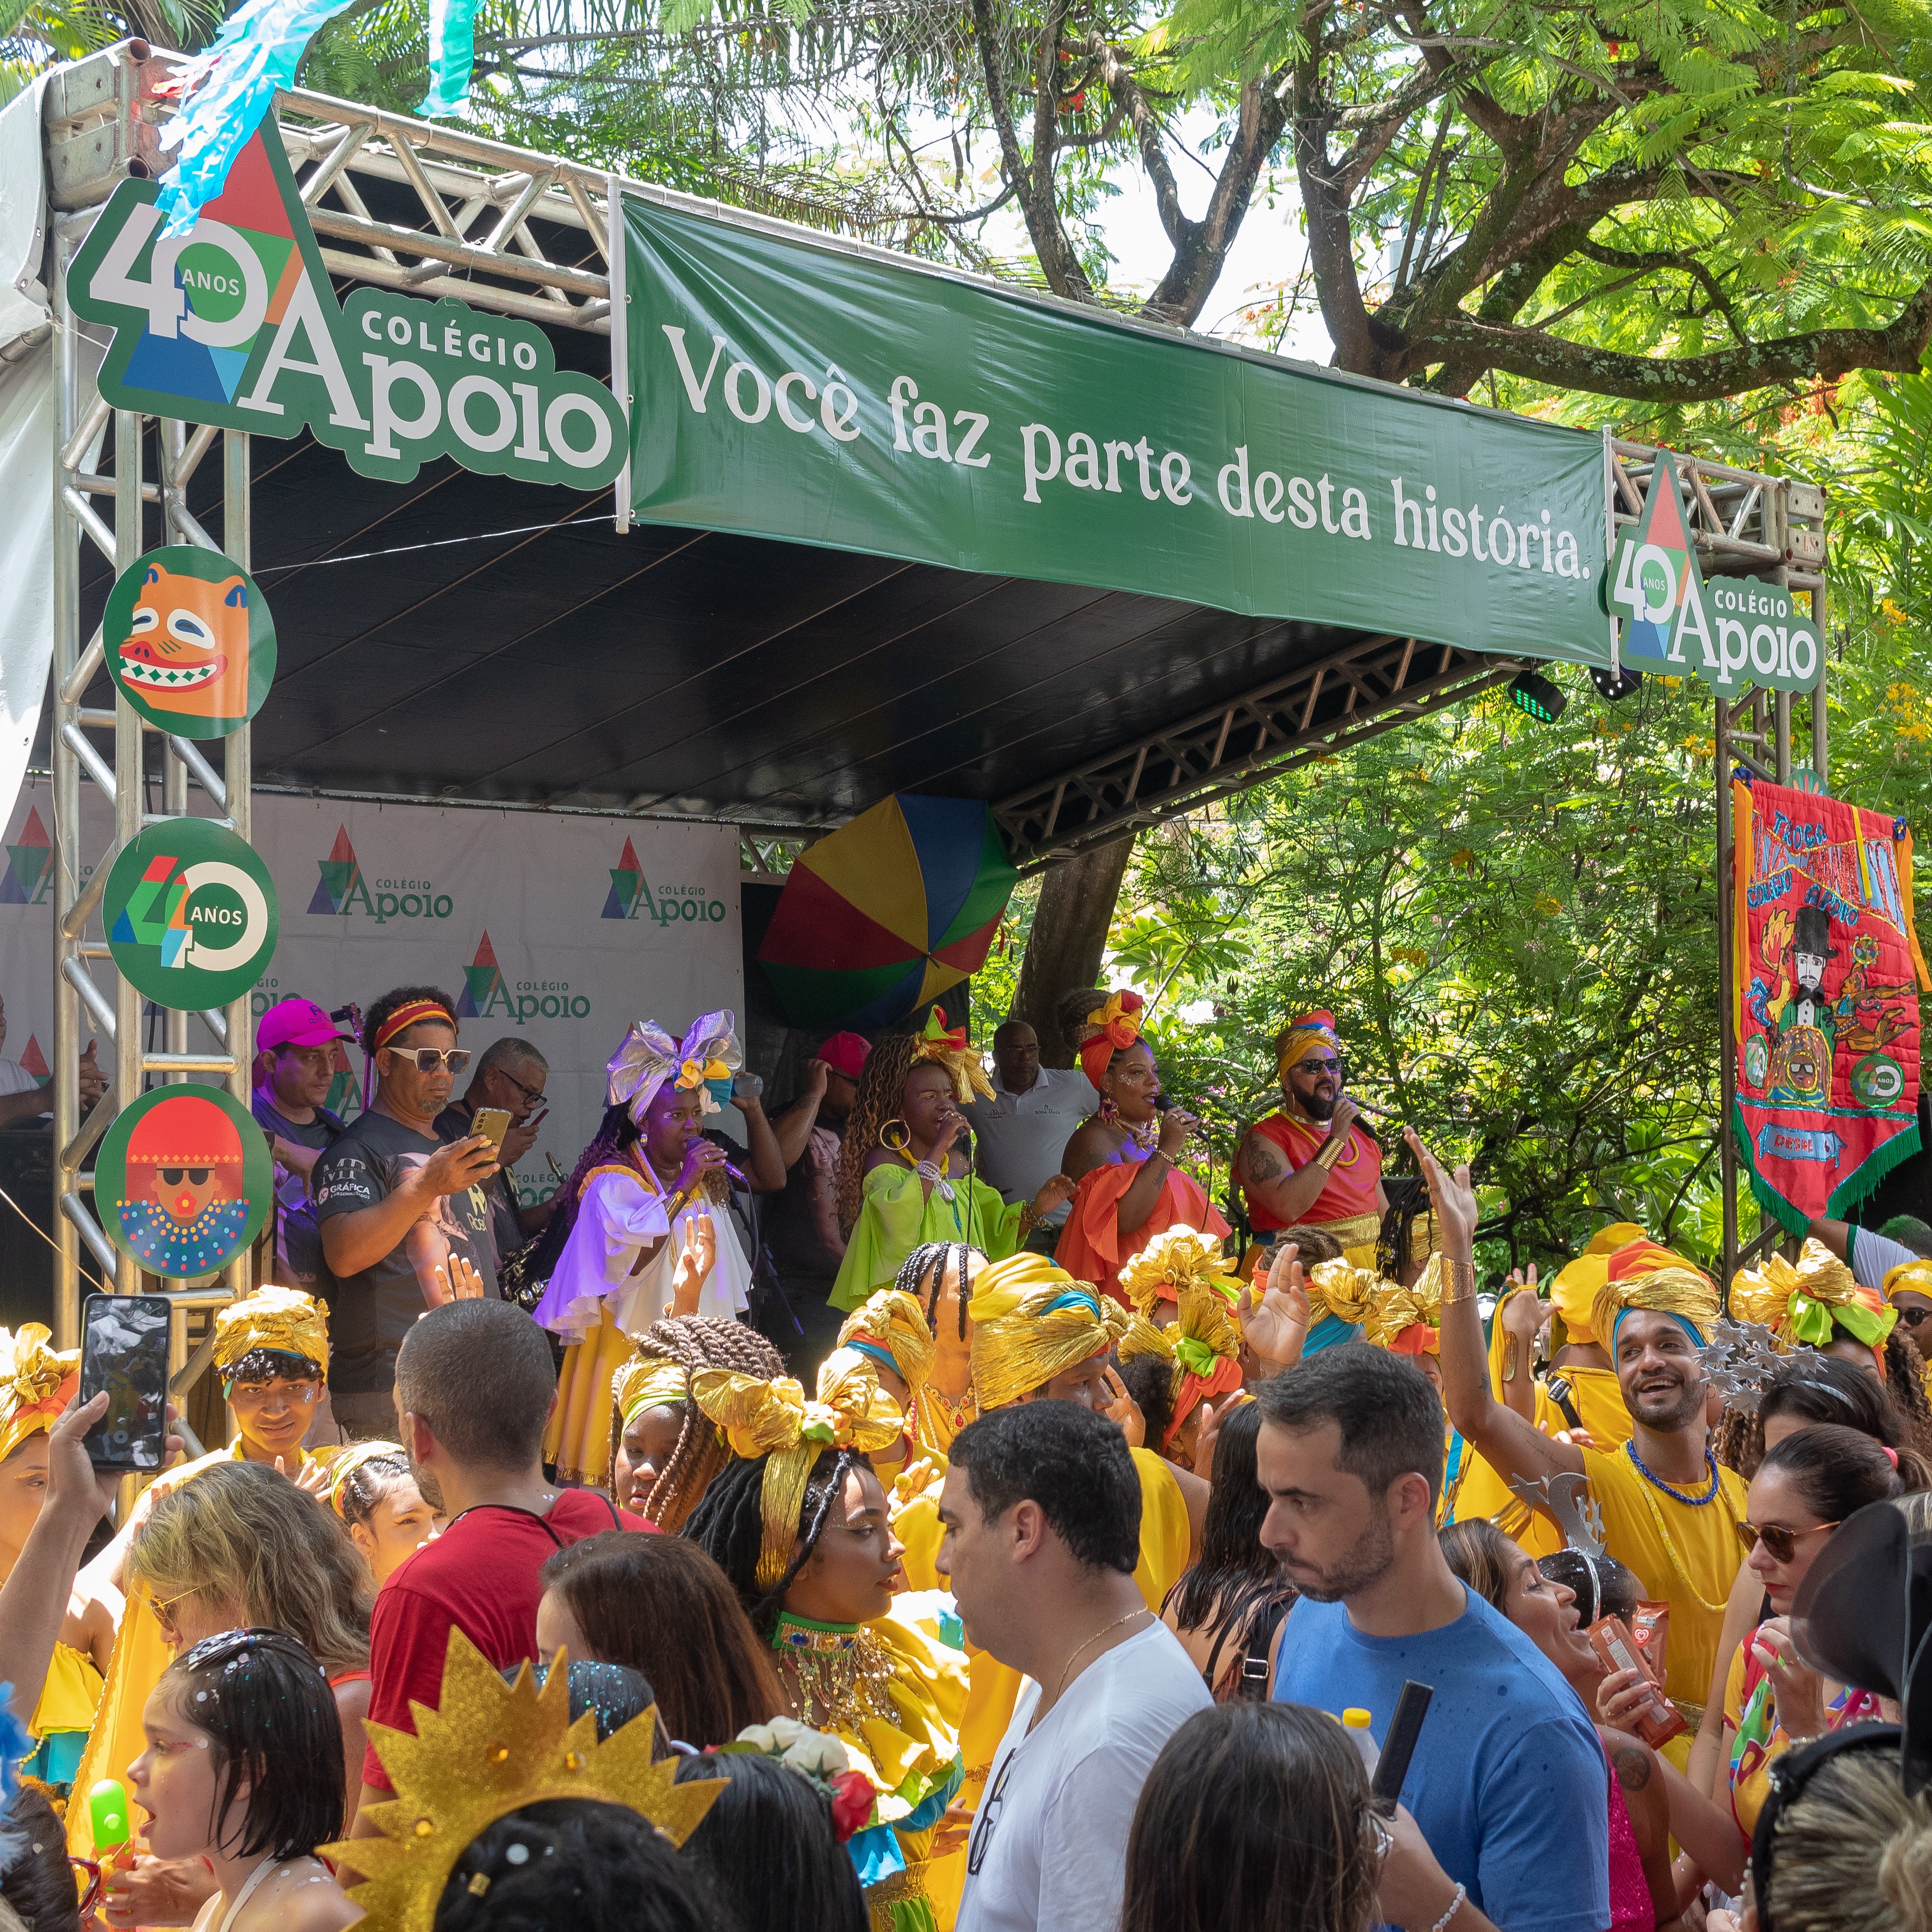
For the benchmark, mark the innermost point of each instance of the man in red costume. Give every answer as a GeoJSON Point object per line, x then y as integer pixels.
{"type": "Point", "coordinates": [1311, 1165]}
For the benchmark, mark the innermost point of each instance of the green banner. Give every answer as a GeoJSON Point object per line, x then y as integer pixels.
{"type": "Point", "coordinates": [790, 390]}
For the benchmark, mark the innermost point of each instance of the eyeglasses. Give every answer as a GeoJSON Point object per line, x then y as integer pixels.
{"type": "Point", "coordinates": [173, 1176]}
{"type": "Point", "coordinates": [532, 1094]}
{"type": "Point", "coordinates": [1782, 1543]}
{"type": "Point", "coordinates": [989, 1817]}
{"type": "Point", "coordinates": [429, 1059]}
{"type": "Point", "coordinates": [92, 1896]}
{"type": "Point", "coordinates": [1330, 1066]}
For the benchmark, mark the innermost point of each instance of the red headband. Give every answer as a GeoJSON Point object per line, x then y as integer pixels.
{"type": "Point", "coordinates": [405, 1016]}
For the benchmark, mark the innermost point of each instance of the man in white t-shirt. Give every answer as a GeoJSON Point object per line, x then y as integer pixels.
{"type": "Point", "coordinates": [1023, 1129]}
{"type": "Point", "coordinates": [25, 1102]}
{"type": "Point", "coordinates": [1041, 1510]}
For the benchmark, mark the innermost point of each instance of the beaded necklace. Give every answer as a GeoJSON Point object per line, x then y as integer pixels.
{"type": "Point", "coordinates": [1671, 1552]}
{"type": "Point", "coordinates": [844, 1673]}
{"type": "Point", "coordinates": [1677, 1495]}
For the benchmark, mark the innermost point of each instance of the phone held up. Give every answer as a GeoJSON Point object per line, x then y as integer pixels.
{"type": "Point", "coordinates": [493, 1123]}
{"type": "Point", "coordinates": [125, 1351]}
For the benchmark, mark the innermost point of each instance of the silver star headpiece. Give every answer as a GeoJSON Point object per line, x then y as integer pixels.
{"type": "Point", "coordinates": [1564, 1494]}
{"type": "Point", "coordinates": [1739, 1359]}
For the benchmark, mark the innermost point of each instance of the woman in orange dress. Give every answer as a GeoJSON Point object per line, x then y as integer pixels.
{"type": "Point", "coordinates": [1129, 1188]}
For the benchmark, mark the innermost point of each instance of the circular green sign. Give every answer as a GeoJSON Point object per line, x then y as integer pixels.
{"type": "Point", "coordinates": [1878, 1081]}
{"type": "Point", "coordinates": [189, 642]}
{"type": "Point", "coordinates": [184, 1180]}
{"type": "Point", "coordinates": [191, 915]}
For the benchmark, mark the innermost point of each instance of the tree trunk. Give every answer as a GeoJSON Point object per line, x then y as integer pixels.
{"type": "Point", "coordinates": [1068, 936]}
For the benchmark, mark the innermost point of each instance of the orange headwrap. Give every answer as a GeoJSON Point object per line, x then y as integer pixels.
{"type": "Point", "coordinates": [1307, 1034]}
{"type": "Point", "coordinates": [1116, 1024]}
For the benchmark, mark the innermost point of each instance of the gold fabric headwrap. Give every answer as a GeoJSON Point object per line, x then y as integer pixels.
{"type": "Point", "coordinates": [1642, 1274]}
{"type": "Point", "coordinates": [1408, 1320]}
{"type": "Point", "coordinates": [644, 1381]}
{"type": "Point", "coordinates": [1577, 1283]}
{"type": "Point", "coordinates": [893, 1320]}
{"type": "Point", "coordinates": [272, 1317]}
{"type": "Point", "coordinates": [1180, 1257]}
{"type": "Point", "coordinates": [1912, 1277]}
{"type": "Point", "coordinates": [1031, 1321]}
{"type": "Point", "coordinates": [773, 1419]}
{"type": "Point", "coordinates": [352, 1459]}
{"type": "Point", "coordinates": [1335, 1289]}
{"type": "Point", "coordinates": [36, 1382]}
{"type": "Point", "coordinates": [490, 1748]}
{"type": "Point", "coordinates": [1802, 1304]}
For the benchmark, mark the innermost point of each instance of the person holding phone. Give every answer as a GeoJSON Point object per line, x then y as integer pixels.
{"type": "Point", "coordinates": [510, 1077]}
{"type": "Point", "coordinates": [389, 1172]}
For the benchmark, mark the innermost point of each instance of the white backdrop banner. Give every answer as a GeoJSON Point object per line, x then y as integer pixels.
{"type": "Point", "coordinates": [561, 930]}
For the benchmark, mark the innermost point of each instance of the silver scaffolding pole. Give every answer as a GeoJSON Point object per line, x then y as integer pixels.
{"type": "Point", "coordinates": [100, 473]}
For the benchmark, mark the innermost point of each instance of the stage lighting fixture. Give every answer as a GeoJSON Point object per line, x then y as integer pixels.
{"type": "Point", "coordinates": [1534, 693]}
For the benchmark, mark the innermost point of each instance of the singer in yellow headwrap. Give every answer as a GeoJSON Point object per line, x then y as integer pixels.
{"type": "Point", "coordinates": [850, 1664]}
{"type": "Point", "coordinates": [1312, 1164]}
{"type": "Point", "coordinates": [36, 1384]}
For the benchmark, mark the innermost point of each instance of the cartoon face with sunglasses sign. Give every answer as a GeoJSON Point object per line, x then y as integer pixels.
{"type": "Point", "coordinates": [184, 1204]}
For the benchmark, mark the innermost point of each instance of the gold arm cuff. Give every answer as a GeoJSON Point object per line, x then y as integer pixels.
{"type": "Point", "coordinates": [1458, 1282]}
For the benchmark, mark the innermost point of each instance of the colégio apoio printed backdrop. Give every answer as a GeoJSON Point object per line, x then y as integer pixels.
{"type": "Point", "coordinates": [560, 929]}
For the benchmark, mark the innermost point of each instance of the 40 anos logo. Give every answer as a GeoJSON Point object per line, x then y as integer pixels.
{"type": "Point", "coordinates": [191, 914]}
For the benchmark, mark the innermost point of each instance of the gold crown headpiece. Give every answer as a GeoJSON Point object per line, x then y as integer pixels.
{"type": "Point", "coordinates": [772, 1418]}
{"type": "Point", "coordinates": [1180, 1257]}
{"type": "Point", "coordinates": [488, 1749]}
{"type": "Point", "coordinates": [890, 1326]}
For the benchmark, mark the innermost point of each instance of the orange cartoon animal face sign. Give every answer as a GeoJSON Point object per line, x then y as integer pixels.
{"type": "Point", "coordinates": [186, 649]}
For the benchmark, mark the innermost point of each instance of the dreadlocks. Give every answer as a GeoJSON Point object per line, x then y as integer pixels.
{"type": "Point", "coordinates": [694, 1342]}
{"type": "Point", "coordinates": [728, 1525]}
{"type": "Point", "coordinates": [616, 1134]}
{"type": "Point", "coordinates": [881, 1094]}
{"type": "Point", "coordinates": [922, 1276]}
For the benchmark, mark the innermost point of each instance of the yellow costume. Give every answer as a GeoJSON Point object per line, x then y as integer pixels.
{"type": "Point", "coordinates": [272, 1317]}
{"type": "Point", "coordinates": [1201, 1351]}
{"type": "Point", "coordinates": [890, 1327]}
{"type": "Point", "coordinates": [889, 1691]}
{"type": "Point", "coordinates": [1681, 1540]}
{"type": "Point", "coordinates": [36, 1383]}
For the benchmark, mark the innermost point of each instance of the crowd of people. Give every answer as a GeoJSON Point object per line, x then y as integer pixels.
{"type": "Point", "coordinates": [1041, 1554]}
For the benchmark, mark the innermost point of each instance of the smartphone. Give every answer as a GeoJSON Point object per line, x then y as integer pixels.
{"type": "Point", "coordinates": [125, 1351]}
{"type": "Point", "coordinates": [493, 1123]}
{"type": "Point", "coordinates": [1399, 1746]}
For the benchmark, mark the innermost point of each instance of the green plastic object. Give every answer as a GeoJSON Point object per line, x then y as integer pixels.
{"type": "Point", "coordinates": [107, 1812]}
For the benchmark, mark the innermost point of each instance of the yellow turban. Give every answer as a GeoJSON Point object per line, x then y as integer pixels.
{"type": "Point", "coordinates": [1408, 1321]}
{"type": "Point", "coordinates": [1802, 1304]}
{"type": "Point", "coordinates": [646, 1381]}
{"type": "Point", "coordinates": [1912, 1277]}
{"type": "Point", "coordinates": [36, 1384]}
{"type": "Point", "coordinates": [1642, 1274]}
{"type": "Point", "coordinates": [1202, 1351]}
{"type": "Point", "coordinates": [1336, 1288]}
{"type": "Point", "coordinates": [1574, 1290]}
{"type": "Point", "coordinates": [892, 1323]}
{"type": "Point", "coordinates": [773, 1419]}
{"type": "Point", "coordinates": [1306, 1033]}
{"type": "Point", "coordinates": [272, 1317]}
{"type": "Point", "coordinates": [1180, 1257]}
{"type": "Point", "coordinates": [1031, 1321]}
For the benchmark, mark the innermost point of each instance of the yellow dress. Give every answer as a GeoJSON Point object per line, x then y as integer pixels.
{"type": "Point", "coordinates": [141, 1654]}
{"type": "Point", "coordinates": [64, 1716]}
{"type": "Point", "coordinates": [911, 1758]}
{"type": "Point", "coordinates": [1685, 1555]}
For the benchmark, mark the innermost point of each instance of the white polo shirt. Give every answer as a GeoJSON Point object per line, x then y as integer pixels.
{"type": "Point", "coordinates": [1020, 1137]}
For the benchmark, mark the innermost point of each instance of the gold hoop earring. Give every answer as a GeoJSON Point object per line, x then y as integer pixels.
{"type": "Point", "coordinates": [886, 1140]}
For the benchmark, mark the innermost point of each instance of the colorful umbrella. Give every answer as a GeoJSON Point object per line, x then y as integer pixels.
{"type": "Point", "coordinates": [880, 917]}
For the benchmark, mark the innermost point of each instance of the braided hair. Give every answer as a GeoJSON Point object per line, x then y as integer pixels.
{"type": "Point", "coordinates": [695, 1342]}
{"type": "Point", "coordinates": [616, 1134]}
{"type": "Point", "coordinates": [728, 1525]}
{"type": "Point", "coordinates": [1905, 1383]}
{"type": "Point", "coordinates": [367, 1483]}
{"type": "Point", "coordinates": [922, 1276]}
{"type": "Point", "coordinates": [881, 1095]}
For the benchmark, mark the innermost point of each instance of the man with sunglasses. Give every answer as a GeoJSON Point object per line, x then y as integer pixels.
{"type": "Point", "coordinates": [1311, 1165]}
{"type": "Point", "coordinates": [395, 1203]}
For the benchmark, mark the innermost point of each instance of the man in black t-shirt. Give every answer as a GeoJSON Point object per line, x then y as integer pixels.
{"type": "Point", "coordinates": [295, 1066]}
{"type": "Point", "coordinates": [405, 1219]}
{"type": "Point", "coordinates": [512, 1074]}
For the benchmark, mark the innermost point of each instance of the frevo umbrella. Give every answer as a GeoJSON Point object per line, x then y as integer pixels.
{"type": "Point", "coordinates": [880, 917]}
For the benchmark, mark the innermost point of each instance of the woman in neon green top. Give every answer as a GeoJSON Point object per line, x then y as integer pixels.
{"type": "Point", "coordinates": [901, 1182]}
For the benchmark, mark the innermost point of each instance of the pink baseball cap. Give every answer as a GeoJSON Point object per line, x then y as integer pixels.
{"type": "Point", "coordinates": [845, 1053]}
{"type": "Point", "coordinates": [296, 1023]}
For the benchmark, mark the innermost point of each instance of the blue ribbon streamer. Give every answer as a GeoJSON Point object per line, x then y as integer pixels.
{"type": "Point", "coordinates": [226, 93]}
{"type": "Point", "coordinates": [452, 53]}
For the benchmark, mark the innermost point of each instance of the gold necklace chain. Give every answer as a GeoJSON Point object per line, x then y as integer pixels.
{"type": "Point", "coordinates": [1142, 1611]}
{"type": "Point", "coordinates": [843, 1677]}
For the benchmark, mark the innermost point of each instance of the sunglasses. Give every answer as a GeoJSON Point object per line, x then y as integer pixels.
{"type": "Point", "coordinates": [174, 1176]}
{"type": "Point", "coordinates": [1316, 1066]}
{"type": "Point", "coordinates": [988, 1818]}
{"type": "Point", "coordinates": [1910, 1318]}
{"type": "Point", "coordinates": [431, 1059]}
{"type": "Point", "coordinates": [1782, 1543]}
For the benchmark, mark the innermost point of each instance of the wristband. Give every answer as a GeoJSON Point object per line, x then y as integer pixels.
{"type": "Point", "coordinates": [1455, 1906]}
{"type": "Point", "coordinates": [1458, 1282]}
{"type": "Point", "coordinates": [1330, 1154]}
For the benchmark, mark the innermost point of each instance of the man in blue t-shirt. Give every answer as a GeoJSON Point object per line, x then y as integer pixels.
{"type": "Point", "coordinates": [1507, 1795]}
